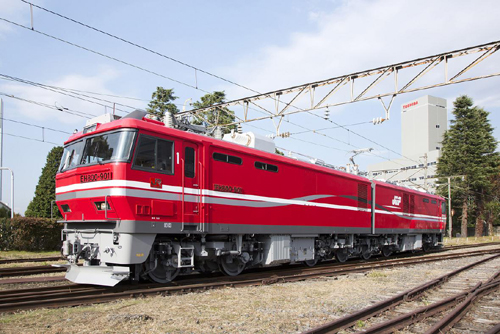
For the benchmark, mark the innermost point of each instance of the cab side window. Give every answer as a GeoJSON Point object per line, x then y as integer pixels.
{"type": "Point", "coordinates": [189, 169]}
{"type": "Point", "coordinates": [155, 155]}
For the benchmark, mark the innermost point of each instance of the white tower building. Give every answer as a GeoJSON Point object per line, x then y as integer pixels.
{"type": "Point", "coordinates": [423, 124]}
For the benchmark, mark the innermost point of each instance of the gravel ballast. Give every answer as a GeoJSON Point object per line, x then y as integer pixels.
{"type": "Point", "coordinates": [278, 308]}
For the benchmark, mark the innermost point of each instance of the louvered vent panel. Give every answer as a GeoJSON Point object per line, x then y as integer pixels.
{"type": "Point", "coordinates": [406, 203]}
{"type": "Point", "coordinates": [412, 203]}
{"type": "Point", "coordinates": [362, 196]}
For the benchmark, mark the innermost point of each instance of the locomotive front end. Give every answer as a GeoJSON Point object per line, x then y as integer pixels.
{"type": "Point", "coordinates": [91, 198]}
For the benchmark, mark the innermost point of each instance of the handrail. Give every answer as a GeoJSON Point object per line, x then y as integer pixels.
{"type": "Point", "coordinates": [182, 198]}
{"type": "Point", "coordinates": [106, 207]}
{"type": "Point", "coordinates": [201, 209]}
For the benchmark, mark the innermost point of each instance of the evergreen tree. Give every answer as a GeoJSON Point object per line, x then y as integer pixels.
{"type": "Point", "coordinates": [45, 190]}
{"type": "Point", "coordinates": [162, 102]}
{"type": "Point", "coordinates": [216, 117]}
{"type": "Point", "coordinates": [492, 206]}
{"type": "Point", "coordinates": [468, 150]}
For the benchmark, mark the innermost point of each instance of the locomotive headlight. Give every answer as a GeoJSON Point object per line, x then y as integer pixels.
{"type": "Point", "coordinates": [101, 206]}
{"type": "Point", "coordinates": [116, 238]}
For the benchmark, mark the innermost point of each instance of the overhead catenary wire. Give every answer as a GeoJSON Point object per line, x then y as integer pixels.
{"type": "Point", "coordinates": [34, 125]}
{"type": "Point", "coordinates": [142, 47]}
{"type": "Point", "coordinates": [63, 91]}
{"type": "Point", "coordinates": [34, 139]}
{"type": "Point", "coordinates": [101, 54]}
{"type": "Point", "coordinates": [182, 63]}
{"type": "Point", "coordinates": [170, 58]}
{"type": "Point", "coordinates": [53, 107]}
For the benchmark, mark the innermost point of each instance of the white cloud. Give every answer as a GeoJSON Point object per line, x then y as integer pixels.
{"type": "Point", "coordinates": [364, 34]}
{"type": "Point", "coordinates": [13, 10]}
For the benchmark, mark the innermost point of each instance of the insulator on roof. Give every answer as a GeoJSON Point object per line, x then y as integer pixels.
{"type": "Point", "coordinates": [168, 119]}
{"type": "Point", "coordinates": [218, 133]}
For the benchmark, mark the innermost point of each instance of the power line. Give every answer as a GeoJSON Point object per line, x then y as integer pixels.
{"type": "Point", "coordinates": [101, 94]}
{"type": "Point", "coordinates": [34, 125]}
{"type": "Point", "coordinates": [141, 47]}
{"type": "Point", "coordinates": [65, 110]}
{"type": "Point", "coordinates": [329, 128]}
{"type": "Point", "coordinates": [61, 91]}
{"type": "Point", "coordinates": [129, 64]}
{"type": "Point", "coordinates": [102, 54]}
{"type": "Point", "coordinates": [34, 139]}
{"type": "Point", "coordinates": [164, 56]}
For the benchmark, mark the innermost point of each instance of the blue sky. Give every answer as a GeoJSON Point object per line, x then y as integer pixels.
{"type": "Point", "coordinates": [263, 45]}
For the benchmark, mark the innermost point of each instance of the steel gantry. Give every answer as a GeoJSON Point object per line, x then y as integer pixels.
{"type": "Point", "coordinates": [320, 100]}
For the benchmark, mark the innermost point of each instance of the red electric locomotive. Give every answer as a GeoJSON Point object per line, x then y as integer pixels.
{"type": "Point", "coordinates": [140, 199]}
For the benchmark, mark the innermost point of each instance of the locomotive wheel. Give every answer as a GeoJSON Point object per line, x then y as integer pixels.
{"type": "Point", "coordinates": [426, 247]}
{"type": "Point", "coordinates": [162, 273]}
{"type": "Point", "coordinates": [233, 268]}
{"type": "Point", "coordinates": [341, 255]}
{"type": "Point", "coordinates": [386, 251]}
{"type": "Point", "coordinates": [311, 263]}
{"type": "Point", "coordinates": [366, 253]}
{"type": "Point", "coordinates": [208, 267]}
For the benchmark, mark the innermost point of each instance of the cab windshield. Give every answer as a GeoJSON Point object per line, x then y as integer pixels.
{"type": "Point", "coordinates": [102, 148]}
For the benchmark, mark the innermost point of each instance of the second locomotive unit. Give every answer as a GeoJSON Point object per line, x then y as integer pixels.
{"type": "Point", "coordinates": [142, 200]}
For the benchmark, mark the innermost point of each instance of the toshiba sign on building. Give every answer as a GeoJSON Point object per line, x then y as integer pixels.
{"type": "Point", "coordinates": [423, 124]}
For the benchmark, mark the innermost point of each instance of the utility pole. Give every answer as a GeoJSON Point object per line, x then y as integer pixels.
{"type": "Point", "coordinates": [450, 225]}
{"type": "Point", "coordinates": [11, 189]}
{"type": "Point", "coordinates": [425, 171]}
{"type": "Point", "coordinates": [1, 145]}
{"type": "Point", "coordinates": [450, 221]}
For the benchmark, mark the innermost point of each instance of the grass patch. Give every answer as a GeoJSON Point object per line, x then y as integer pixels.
{"type": "Point", "coordinates": [26, 254]}
{"type": "Point", "coordinates": [376, 274]}
{"type": "Point", "coordinates": [470, 240]}
{"type": "Point", "coordinates": [360, 324]}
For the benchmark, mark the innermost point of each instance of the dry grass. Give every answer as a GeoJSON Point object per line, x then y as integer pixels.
{"type": "Point", "coordinates": [278, 308]}
{"type": "Point", "coordinates": [31, 264]}
{"type": "Point", "coordinates": [26, 255]}
{"type": "Point", "coordinates": [470, 240]}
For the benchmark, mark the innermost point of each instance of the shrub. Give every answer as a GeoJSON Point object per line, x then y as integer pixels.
{"type": "Point", "coordinates": [30, 234]}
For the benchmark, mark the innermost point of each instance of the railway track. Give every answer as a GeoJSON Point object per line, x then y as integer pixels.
{"type": "Point", "coordinates": [73, 294]}
{"type": "Point", "coordinates": [420, 309]}
{"type": "Point", "coordinates": [26, 271]}
{"type": "Point", "coordinates": [35, 259]}
{"type": "Point", "coordinates": [35, 270]}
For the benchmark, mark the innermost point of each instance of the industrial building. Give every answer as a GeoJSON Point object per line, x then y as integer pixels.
{"type": "Point", "coordinates": [423, 124]}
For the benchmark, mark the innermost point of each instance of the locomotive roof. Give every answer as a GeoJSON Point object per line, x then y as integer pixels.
{"type": "Point", "coordinates": [160, 128]}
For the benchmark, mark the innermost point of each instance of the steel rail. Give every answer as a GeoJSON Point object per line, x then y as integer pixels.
{"type": "Point", "coordinates": [458, 312]}
{"type": "Point", "coordinates": [494, 330]}
{"type": "Point", "coordinates": [21, 271]}
{"type": "Point", "coordinates": [72, 295]}
{"type": "Point", "coordinates": [464, 298]}
{"type": "Point", "coordinates": [36, 259]}
{"type": "Point", "coordinates": [27, 271]}
{"type": "Point", "coordinates": [405, 319]}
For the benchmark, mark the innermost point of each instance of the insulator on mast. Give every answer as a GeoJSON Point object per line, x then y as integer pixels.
{"type": "Point", "coordinates": [327, 114]}
{"type": "Point", "coordinates": [378, 120]}
{"type": "Point", "coordinates": [240, 128]}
